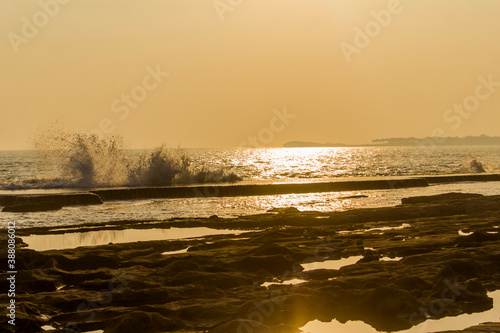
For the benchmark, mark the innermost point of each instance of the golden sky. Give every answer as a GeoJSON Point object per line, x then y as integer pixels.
{"type": "Point", "coordinates": [325, 70]}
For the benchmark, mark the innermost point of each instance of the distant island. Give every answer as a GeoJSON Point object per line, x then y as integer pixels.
{"type": "Point", "coordinates": [482, 140]}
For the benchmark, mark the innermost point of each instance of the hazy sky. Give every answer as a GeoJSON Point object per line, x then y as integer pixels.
{"type": "Point", "coordinates": [344, 70]}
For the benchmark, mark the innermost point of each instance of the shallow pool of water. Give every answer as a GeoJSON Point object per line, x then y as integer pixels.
{"type": "Point", "coordinates": [463, 233]}
{"type": "Point", "coordinates": [102, 237]}
{"type": "Point", "coordinates": [331, 264]}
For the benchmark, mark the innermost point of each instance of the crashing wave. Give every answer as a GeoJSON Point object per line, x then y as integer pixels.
{"type": "Point", "coordinates": [474, 165]}
{"type": "Point", "coordinates": [85, 160]}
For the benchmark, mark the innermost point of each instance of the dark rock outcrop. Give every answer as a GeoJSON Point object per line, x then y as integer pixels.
{"type": "Point", "coordinates": [217, 286]}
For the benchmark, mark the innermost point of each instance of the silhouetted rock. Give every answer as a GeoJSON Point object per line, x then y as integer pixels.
{"type": "Point", "coordinates": [355, 196]}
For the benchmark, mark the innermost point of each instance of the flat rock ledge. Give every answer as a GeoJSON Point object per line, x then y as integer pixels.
{"type": "Point", "coordinates": [216, 286]}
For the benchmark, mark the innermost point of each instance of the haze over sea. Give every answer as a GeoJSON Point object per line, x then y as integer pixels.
{"type": "Point", "coordinates": [30, 172]}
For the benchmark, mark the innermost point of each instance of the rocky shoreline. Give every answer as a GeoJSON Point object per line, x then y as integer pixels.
{"type": "Point", "coordinates": [216, 284]}
{"type": "Point", "coordinates": [55, 201]}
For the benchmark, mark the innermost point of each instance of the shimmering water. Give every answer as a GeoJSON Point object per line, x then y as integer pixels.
{"type": "Point", "coordinates": [29, 172]}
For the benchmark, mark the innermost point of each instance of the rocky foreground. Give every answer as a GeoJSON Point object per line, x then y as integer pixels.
{"type": "Point", "coordinates": [216, 285]}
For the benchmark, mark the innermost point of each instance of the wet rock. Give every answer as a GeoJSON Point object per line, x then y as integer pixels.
{"type": "Point", "coordinates": [462, 267]}
{"type": "Point", "coordinates": [92, 261]}
{"type": "Point", "coordinates": [272, 249]}
{"type": "Point", "coordinates": [205, 313]}
{"type": "Point", "coordinates": [266, 312]}
{"type": "Point", "coordinates": [180, 266]}
{"type": "Point", "coordinates": [36, 207]}
{"type": "Point", "coordinates": [218, 280]}
{"type": "Point", "coordinates": [131, 297]}
{"type": "Point", "coordinates": [241, 325]}
{"type": "Point", "coordinates": [139, 321]}
{"type": "Point", "coordinates": [62, 199]}
{"type": "Point", "coordinates": [274, 264]}
{"type": "Point", "coordinates": [439, 198]}
{"type": "Point", "coordinates": [27, 325]}
{"type": "Point", "coordinates": [30, 259]}
{"type": "Point", "coordinates": [388, 307]}
{"type": "Point", "coordinates": [477, 303]}
{"type": "Point", "coordinates": [411, 283]}
{"type": "Point", "coordinates": [31, 281]}
{"type": "Point", "coordinates": [213, 287]}
{"type": "Point", "coordinates": [475, 286]}
{"type": "Point", "coordinates": [369, 256]}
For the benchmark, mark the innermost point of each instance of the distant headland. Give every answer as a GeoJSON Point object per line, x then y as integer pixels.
{"type": "Point", "coordinates": [482, 140]}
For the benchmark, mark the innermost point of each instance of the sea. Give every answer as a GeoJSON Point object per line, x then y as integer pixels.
{"type": "Point", "coordinates": [88, 165]}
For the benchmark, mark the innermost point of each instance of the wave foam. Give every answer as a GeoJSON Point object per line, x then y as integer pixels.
{"type": "Point", "coordinates": [85, 160]}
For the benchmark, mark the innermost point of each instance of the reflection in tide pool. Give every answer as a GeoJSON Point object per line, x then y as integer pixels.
{"type": "Point", "coordinates": [101, 237]}
{"type": "Point", "coordinates": [448, 323]}
{"type": "Point", "coordinates": [175, 252]}
{"type": "Point", "coordinates": [331, 264]}
{"type": "Point", "coordinates": [291, 282]}
{"type": "Point", "coordinates": [50, 328]}
{"type": "Point", "coordinates": [391, 259]}
{"type": "Point", "coordinates": [360, 231]}
{"type": "Point", "coordinates": [463, 233]}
